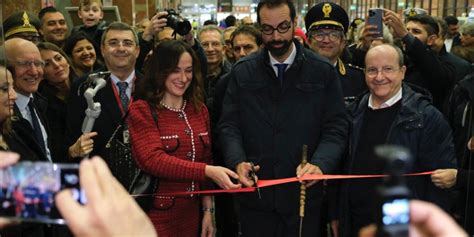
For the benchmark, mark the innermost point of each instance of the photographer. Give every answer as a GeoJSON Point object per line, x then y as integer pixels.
{"type": "Point", "coordinates": [163, 21]}
{"type": "Point", "coordinates": [110, 210]}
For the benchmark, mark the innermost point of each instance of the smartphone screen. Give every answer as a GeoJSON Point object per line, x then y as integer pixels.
{"type": "Point", "coordinates": [27, 190]}
{"type": "Point", "coordinates": [396, 212]}
{"type": "Point", "coordinates": [375, 18]}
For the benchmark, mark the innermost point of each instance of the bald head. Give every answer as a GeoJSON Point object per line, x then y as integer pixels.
{"type": "Point", "coordinates": [16, 46]}
{"type": "Point", "coordinates": [24, 60]}
{"type": "Point", "coordinates": [387, 48]}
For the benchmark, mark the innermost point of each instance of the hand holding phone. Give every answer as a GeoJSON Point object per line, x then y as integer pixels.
{"type": "Point", "coordinates": [27, 190]}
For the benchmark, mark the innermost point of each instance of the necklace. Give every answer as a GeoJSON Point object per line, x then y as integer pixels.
{"type": "Point", "coordinates": [174, 109]}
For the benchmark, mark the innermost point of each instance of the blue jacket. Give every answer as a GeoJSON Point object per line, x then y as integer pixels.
{"type": "Point", "coordinates": [268, 123]}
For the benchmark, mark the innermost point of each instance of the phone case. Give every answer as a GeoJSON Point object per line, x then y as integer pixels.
{"type": "Point", "coordinates": [376, 18]}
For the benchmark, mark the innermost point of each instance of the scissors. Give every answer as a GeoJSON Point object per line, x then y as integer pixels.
{"type": "Point", "coordinates": [254, 178]}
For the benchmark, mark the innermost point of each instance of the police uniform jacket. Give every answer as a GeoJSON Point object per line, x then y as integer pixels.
{"type": "Point", "coordinates": [268, 123]}
{"type": "Point", "coordinates": [352, 80]}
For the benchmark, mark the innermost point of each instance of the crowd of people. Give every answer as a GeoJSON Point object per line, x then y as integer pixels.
{"type": "Point", "coordinates": [222, 108]}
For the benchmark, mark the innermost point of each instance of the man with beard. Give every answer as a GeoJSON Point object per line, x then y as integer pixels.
{"type": "Point", "coordinates": [119, 47]}
{"type": "Point", "coordinates": [327, 25]}
{"type": "Point", "coordinates": [268, 92]}
{"type": "Point", "coordinates": [53, 26]}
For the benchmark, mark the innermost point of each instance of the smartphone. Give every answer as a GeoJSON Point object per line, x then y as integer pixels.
{"type": "Point", "coordinates": [376, 18]}
{"type": "Point", "coordinates": [27, 190]}
{"type": "Point", "coordinates": [395, 217]}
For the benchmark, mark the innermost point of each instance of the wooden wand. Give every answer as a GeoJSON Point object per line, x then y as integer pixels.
{"type": "Point", "coordinates": [304, 160]}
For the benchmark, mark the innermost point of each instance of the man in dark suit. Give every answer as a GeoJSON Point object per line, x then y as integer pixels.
{"type": "Point", "coordinates": [26, 65]}
{"type": "Point", "coordinates": [327, 25]}
{"type": "Point", "coordinates": [267, 93]}
{"type": "Point", "coordinates": [120, 49]}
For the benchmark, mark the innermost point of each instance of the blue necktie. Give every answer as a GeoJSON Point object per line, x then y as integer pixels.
{"type": "Point", "coordinates": [36, 126]}
{"type": "Point", "coordinates": [281, 71]}
{"type": "Point", "coordinates": [123, 95]}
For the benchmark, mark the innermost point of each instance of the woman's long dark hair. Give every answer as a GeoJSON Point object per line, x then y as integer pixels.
{"type": "Point", "coordinates": [163, 61]}
{"type": "Point", "coordinates": [53, 47]}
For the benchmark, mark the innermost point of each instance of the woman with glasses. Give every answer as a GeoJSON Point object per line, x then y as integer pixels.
{"type": "Point", "coordinates": [170, 137]}
{"type": "Point", "coordinates": [84, 54]}
{"type": "Point", "coordinates": [58, 75]}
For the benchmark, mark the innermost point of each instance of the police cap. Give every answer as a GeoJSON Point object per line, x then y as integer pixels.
{"type": "Point", "coordinates": [327, 15]}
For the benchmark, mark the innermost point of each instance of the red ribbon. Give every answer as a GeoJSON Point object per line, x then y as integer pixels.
{"type": "Point", "coordinates": [273, 182]}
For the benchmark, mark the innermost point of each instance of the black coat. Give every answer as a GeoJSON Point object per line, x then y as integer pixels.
{"type": "Point", "coordinates": [56, 117]}
{"type": "Point", "coordinates": [426, 69]}
{"type": "Point", "coordinates": [25, 131]}
{"type": "Point", "coordinates": [352, 80]}
{"type": "Point", "coordinates": [422, 129]}
{"type": "Point", "coordinates": [268, 123]}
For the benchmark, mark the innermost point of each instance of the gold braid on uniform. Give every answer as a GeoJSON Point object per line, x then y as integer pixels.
{"type": "Point", "coordinates": [3, 144]}
{"type": "Point", "coordinates": [342, 68]}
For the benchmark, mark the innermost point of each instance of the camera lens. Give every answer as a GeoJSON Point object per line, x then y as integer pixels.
{"type": "Point", "coordinates": [371, 13]}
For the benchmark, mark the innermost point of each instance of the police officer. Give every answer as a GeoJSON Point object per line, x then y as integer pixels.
{"type": "Point", "coordinates": [326, 25]}
{"type": "Point", "coordinates": [22, 25]}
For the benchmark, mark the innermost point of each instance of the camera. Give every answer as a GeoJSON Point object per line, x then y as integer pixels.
{"type": "Point", "coordinates": [177, 23]}
{"type": "Point", "coordinates": [393, 194]}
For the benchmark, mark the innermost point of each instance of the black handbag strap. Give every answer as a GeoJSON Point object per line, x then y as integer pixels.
{"type": "Point", "coordinates": [154, 114]}
{"type": "Point", "coordinates": [119, 126]}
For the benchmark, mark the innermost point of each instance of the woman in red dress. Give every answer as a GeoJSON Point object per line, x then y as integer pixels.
{"type": "Point", "coordinates": [178, 148]}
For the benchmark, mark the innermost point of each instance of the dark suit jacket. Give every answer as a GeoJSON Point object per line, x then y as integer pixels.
{"type": "Point", "coordinates": [24, 130]}
{"type": "Point", "coordinates": [108, 120]}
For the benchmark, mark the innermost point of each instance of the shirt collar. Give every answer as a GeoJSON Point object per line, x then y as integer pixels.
{"type": "Point", "coordinates": [22, 101]}
{"type": "Point", "coordinates": [129, 79]}
{"type": "Point", "coordinates": [390, 102]}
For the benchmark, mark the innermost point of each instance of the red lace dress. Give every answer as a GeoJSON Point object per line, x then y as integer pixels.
{"type": "Point", "coordinates": [177, 152]}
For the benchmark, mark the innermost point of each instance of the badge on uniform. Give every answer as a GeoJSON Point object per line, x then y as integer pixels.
{"type": "Point", "coordinates": [126, 136]}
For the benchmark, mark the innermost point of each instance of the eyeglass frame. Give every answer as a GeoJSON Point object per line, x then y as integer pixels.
{"type": "Point", "coordinates": [26, 64]}
{"type": "Point", "coordinates": [289, 23]}
{"type": "Point", "coordinates": [383, 70]}
{"type": "Point", "coordinates": [313, 33]}
{"type": "Point", "coordinates": [126, 43]}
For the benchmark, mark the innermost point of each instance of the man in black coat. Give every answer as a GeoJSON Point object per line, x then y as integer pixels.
{"type": "Point", "coordinates": [120, 50]}
{"type": "Point", "coordinates": [392, 113]}
{"type": "Point", "coordinates": [278, 100]}
{"type": "Point", "coordinates": [424, 66]}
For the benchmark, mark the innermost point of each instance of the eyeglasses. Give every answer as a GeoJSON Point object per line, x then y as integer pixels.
{"type": "Point", "coordinates": [281, 28]}
{"type": "Point", "coordinates": [332, 35]}
{"type": "Point", "coordinates": [386, 71]}
{"type": "Point", "coordinates": [214, 44]}
{"type": "Point", "coordinates": [27, 64]}
{"type": "Point", "coordinates": [124, 43]}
